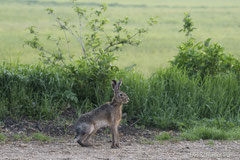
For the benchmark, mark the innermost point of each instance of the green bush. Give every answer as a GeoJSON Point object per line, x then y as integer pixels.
{"type": "Point", "coordinates": [91, 73]}
{"type": "Point", "coordinates": [90, 81]}
{"type": "Point", "coordinates": [203, 58]}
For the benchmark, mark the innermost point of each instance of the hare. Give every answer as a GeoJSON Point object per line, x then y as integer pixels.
{"type": "Point", "coordinates": [108, 114]}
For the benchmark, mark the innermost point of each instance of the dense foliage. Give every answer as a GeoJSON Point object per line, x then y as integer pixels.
{"type": "Point", "coordinates": [168, 99]}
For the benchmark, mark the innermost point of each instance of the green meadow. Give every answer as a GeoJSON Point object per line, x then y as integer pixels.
{"type": "Point", "coordinates": [218, 19]}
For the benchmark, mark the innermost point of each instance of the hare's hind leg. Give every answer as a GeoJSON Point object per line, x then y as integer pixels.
{"type": "Point", "coordinates": [90, 135]}
{"type": "Point", "coordinates": [83, 133]}
{"type": "Point", "coordinates": [82, 141]}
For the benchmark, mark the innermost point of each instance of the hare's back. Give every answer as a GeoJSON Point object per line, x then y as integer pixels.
{"type": "Point", "coordinates": [101, 113]}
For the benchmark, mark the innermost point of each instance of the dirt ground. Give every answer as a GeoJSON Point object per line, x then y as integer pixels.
{"type": "Point", "coordinates": [65, 149]}
{"type": "Point", "coordinates": [136, 144]}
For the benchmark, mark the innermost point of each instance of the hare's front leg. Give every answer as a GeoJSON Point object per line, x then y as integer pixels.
{"type": "Point", "coordinates": [115, 136]}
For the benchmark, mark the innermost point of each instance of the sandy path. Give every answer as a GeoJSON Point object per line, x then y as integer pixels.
{"type": "Point", "coordinates": [227, 150]}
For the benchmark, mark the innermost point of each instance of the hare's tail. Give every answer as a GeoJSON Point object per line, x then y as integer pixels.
{"type": "Point", "coordinates": [80, 132]}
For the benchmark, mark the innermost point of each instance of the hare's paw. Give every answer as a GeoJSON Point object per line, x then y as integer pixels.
{"type": "Point", "coordinates": [88, 144]}
{"type": "Point", "coordinates": [85, 144]}
{"type": "Point", "coordinates": [115, 146]}
{"type": "Point", "coordinates": [118, 146]}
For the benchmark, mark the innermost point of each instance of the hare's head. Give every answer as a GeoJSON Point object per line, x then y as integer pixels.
{"type": "Point", "coordinates": [119, 96]}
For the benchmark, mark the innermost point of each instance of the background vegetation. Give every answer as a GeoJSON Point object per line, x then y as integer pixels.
{"type": "Point", "coordinates": [217, 19]}
{"type": "Point", "coordinates": [200, 88]}
{"type": "Point", "coordinates": [168, 100]}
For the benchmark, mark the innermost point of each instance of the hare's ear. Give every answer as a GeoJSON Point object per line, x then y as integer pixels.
{"type": "Point", "coordinates": [119, 83]}
{"type": "Point", "coordinates": [114, 83]}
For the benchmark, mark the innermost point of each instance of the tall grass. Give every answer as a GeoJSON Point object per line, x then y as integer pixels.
{"type": "Point", "coordinates": [169, 99]}
{"type": "Point", "coordinates": [31, 90]}
{"type": "Point", "coordinates": [43, 92]}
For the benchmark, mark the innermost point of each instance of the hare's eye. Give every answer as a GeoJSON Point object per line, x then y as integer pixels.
{"type": "Point", "coordinates": [121, 94]}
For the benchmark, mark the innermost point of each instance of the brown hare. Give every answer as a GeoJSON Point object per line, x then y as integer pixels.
{"type": "Point", "coordinates": [109, 114]}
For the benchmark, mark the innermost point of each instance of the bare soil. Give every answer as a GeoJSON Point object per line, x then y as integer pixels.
{"type": "Point", "coordinates": [136, 144]}
{"type": "Point", "coordinates": [130, 149]}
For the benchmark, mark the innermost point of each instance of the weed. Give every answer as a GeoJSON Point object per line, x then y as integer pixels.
{"type": "Point", "coordinates": [143, 140]}
{"type": "Point", "coordinates": [3, 110]}
{"type": "Point", "coordinates": [176, 139]}
{"type": "Point", "coordinates": [26, 138]}
{"type": "Point", "coordinates": [210, 133]}
{"type": "Point", "coordinates": [2, 138]}
{"type": "Point", "coordinates": [210, 143]}
{"type": "Point", "coordinates": [234, 134]}
{"type": "Point", "coordinates": [41, 137]}
{"type": "Point", "coordinates": [17, 137]}
{"type": "Point", "coordinates": [163, 136]}
{"type": "Point", "coordinates": [142, 127]}
{"type": "Point", "coordinates": [189, 136]}
{"type": "Point", "coordinates": [213, 133]}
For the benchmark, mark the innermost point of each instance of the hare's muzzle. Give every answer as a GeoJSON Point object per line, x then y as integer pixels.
{"type": "Point", "coordinates": [127, 100]}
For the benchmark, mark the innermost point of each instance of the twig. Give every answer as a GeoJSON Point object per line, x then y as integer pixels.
{"type": "Point", "coordinates": [60, 52]}
{"type": "Point", "coordinates": [80, 35]}
{"type": "Point", "coordinates": [114, 44]}
{"type": "Point", "coordinates": [43, 50]}
{"type": "Point", "coordinates": [67, 45]}
{"type": "Point", "coordinates": [134, 123]}
{"type": "Point", "coordinates": [108, 37]}
{"type": "Point", "coordinates": [70, 30]}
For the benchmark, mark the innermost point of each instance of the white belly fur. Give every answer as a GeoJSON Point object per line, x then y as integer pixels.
{"type": "Point", "coordinates": [101, 123]}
